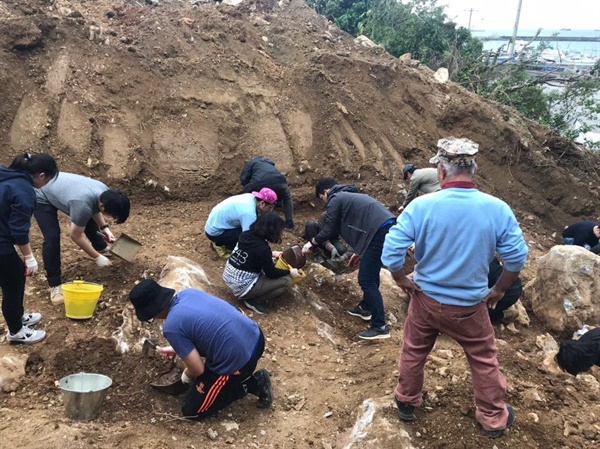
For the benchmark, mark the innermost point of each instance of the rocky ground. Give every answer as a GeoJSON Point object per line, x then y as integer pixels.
{"type": "Point", "coordinates": [168, 103]}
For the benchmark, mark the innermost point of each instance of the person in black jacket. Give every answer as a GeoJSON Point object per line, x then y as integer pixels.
{"type": "Point", "coordinates": [362, 222]}
{"type": "Point", "coordinates": [500, 314]}
{"type": "Point", "coordinates": [17, 203]}
{"type": "Point", "coordinates": [578, 356]}
{"type": "Point", "coordinates": [261, 172]}
{"type": "Point", "coordinates": [583, 233]}
{"type": "Point", "coordinates": [250, 272]}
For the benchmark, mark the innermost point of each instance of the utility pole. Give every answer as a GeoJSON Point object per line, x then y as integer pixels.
{"type": "Point", "coordinates": [511, 47]}
{"type": "Point", "coordinates": [471, 11]}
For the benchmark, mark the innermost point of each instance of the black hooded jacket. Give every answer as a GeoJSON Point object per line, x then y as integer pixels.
{"type": "Point", "coordinates": [355, 216]}
{"type": "Point", "coordinates": [253, 254]}
{"type": "Point", "coordinates": [17, 203]}
{"type": "Point", "coordinates": [260, 172]}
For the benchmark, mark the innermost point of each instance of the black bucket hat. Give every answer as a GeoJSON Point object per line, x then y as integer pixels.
{"type": "Point", "coordinates": [149, 299]}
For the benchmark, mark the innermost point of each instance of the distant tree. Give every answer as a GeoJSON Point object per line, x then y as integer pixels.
{"type": "Point", "coordinates": [421, 27]}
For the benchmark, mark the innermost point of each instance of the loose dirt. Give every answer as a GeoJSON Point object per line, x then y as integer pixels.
{"type": "Point", "coordinates": [168, 103]}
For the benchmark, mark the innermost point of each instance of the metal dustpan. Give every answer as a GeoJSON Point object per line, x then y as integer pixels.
{"type": "Point", "coordinates": [170, 383]}
{"type": "Point", "coordinates": [126, 247]}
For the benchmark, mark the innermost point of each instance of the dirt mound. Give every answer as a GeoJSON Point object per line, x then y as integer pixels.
{"type": "Point", "coordinates": [169, 102]}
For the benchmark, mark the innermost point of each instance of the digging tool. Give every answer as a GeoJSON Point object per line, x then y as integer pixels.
{"type": "Point", "coordinates": [169, 382]}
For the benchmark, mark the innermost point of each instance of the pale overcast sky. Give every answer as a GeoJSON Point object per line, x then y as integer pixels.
{"type": "Point", "coordinates": [547, 14]}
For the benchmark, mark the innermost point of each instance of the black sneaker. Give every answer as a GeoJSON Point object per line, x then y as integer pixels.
{"type": "Point", "coordinates": [360, 312]}
{"type": "Point", "coordinates": [509, 422]}
{"type": "Point", "coordinates": [265, 393]}
{"type": "Point", "coordinates": [255, 307]}
{"type": "Point", "coordinates": [405, 412]}
{"type": "Point", "coordinates": [289, 226]}
{"type": "Point", "coordinates": [375, 333]}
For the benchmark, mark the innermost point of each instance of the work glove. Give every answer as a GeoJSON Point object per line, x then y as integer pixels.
{"type": "Point", "coordinates": [354, 260]}
{"type": "Point", "coordinates": [276, 254]}
{"type": "Point", "coordinates": [335, 255]}
{"type": "Point", "coordinates": [306, 248]}
{"type": "Point", "coordinates": [108, 236]}
{"type": "Point", "coordinates": [294, 272]}
{"type": "Point", "coordinates": [166, 351]}
{"type": "Point", "coordinates": [31, 265]}
{"type": "Point", "coordinates": [102, 261]}
{"type": "Point", "coordinates": [185, 378]}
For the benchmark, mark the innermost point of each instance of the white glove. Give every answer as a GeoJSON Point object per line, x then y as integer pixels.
{"type": "Point", "coordinates": [102, 261]}
{"type": "Point", "coordinates": [306, 248]}
{"type": "Point", "coordinates": [108, 236]}
{"type": "Point", "coordinates": [294, 273]}
{"type": "Point", "coordinates": [185, 378]}
{"type": "Point", "coordinates": [31, 265]}
{"type": "Point", "coordinates": [335, 255]}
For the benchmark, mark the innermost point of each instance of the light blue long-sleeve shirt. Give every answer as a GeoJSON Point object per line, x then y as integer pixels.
{"type": "Point", "coordinates": [237, 211]}
{"type": "Point", "coordinates": [456, 232]}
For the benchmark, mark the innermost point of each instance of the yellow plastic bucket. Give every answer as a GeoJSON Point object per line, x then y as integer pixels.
{"type": "Point", "coordinates": [81, 299]}
{"type": "Point", "coordinates": [283, 265]}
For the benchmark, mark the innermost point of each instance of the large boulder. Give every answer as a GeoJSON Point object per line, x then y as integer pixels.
{"type": "Point", "coordinates": [565, 292]}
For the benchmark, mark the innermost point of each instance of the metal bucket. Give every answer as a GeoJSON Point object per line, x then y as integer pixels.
{"type": "Point", "coordinates": [83, 394]}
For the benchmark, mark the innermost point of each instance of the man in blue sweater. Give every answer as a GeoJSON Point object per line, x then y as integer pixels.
{"type": "Point", "coordinates": [456, 233]}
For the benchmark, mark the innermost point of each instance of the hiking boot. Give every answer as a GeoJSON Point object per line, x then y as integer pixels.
{"type": "Point", "coordinates": [509, 422]}
{"type": "Point", "coordinates": [509, 316]}
{"type": "Point", "coordinates": [255, 307]}
{"type": "Point", "coordinates": [289, 226]}
{"type": "Point", "coordinates": [405, 412]}
{"type": "Point", "coordinates": [221, 251]}
{"type": "Point", "coordinates": [26, 335]}
{"type": "Point", "coordinates": [56, 295]}
{"type": "Point", "coordinates": [375, 333]}
{"type": "Point", "coordinates": [360, 312]}
{"type": "Point", "coordinates": [265, 393]}
{"type": "Point", "coordinates": [29, 319]}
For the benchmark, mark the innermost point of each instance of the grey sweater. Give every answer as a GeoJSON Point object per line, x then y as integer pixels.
{"type": "Point", "coordinates": [422, 180]}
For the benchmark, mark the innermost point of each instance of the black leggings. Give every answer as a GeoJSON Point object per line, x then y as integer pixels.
{"type": "Point", "coordinates": [12, 283]}
{"type": "Point", "coordinates": [46, 216]}
{"type": "Point", "coordinates": [212, 392]}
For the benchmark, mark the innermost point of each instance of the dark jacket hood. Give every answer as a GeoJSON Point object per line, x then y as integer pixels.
{"type": "Point", "coordinates": [7, 173]}
{"type": "Point", "coordinates": [341, 188]}
{"type": "Point", "coordinates": [249, 240]}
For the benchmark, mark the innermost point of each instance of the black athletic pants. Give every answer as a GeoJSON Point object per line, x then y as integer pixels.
{"type": "Point", "coordinates": [212, 392]}
{"type": "Point", "coordinates": [46, 216]}
{"type": "Point", "coordinates": [12, 283]}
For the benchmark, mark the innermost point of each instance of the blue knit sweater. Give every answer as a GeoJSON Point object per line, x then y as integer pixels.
{"type": "Point", "coordinates": [456, 232]}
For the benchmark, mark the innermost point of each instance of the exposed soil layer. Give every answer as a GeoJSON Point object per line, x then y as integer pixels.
{"type": "Point", "coordinates": [168, 103]}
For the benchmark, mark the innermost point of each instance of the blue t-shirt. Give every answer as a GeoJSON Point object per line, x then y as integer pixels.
{"type": "Point", "coordinates": [220, 332]}
{"type": "Point", "coordinates": [237, 211]}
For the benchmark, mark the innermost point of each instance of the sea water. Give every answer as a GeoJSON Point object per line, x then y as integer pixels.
{"type": "Point", "coordinates": [585, 49]}
{"type": "Point", "coordinates": [590, 49]}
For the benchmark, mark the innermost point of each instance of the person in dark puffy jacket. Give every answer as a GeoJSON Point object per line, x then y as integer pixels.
{"type": "Point", "coordinates": [17, 203]}
{"type": "Point", "coordinates": [362, 222]}
{"type": "Point", "coordinates": [578, 356]}
{"type": "Point", "coordinates": [585, 234]}
{"type": "Point", "coordinates": [261, 172]}
{"type": "Point", "coordinates": [250, 272]}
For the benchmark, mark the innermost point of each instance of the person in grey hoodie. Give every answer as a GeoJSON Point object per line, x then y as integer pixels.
{"type": "Point", "coordinates": [362, 222]}
{"type": "Point", "coordinates": [17, 203]}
